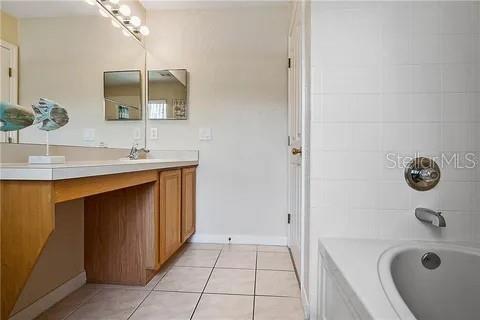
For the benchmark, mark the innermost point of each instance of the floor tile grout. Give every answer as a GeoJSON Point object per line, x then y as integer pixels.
{"type": "Point", "coordinates": [219, 252]}
{"type": "Point", "coordinates": [81, 304]}
{"type": "Point", "coordinates": [205, 286]}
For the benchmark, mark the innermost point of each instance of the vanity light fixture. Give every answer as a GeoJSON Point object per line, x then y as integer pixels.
{"type": "Point", "coordinates": [135, 21]}
{"type": "Point", "coordinates": [125, 10]}
{"type": "Point", "coordinates": [103, 12]}
{"type": "Point", "coordinates": [115, 23]}
{"type": "Point", "coordinates": [144, 30]}
{"type": "Point", "coordinates": [121, 15]}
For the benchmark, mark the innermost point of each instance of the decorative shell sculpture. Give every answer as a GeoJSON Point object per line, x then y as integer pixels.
{"type": "Point", "coordinates": [48, 113]}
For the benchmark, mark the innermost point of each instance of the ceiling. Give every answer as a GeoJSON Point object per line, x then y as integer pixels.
{"type": "Point", "coordinates": [43, 8]}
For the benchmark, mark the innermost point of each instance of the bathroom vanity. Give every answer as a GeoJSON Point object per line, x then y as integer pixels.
{"type": "Point", "coordinates": [137, 214]}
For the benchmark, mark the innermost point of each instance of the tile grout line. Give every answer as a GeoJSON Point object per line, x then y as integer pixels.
{"type": "Point", "coordinates": [80, 305]}
{"type": "Point", "coordinates": [148, 295]}
{"type": "Point", "coordinates": [206, 283]}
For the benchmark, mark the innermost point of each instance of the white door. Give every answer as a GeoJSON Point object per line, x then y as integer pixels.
{"type": "Point", "coordinates": [8, 81]}
{"type": "Point", "coordinates": [295, 102]}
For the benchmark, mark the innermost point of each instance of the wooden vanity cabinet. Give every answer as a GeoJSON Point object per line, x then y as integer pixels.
{"type": "Point", "coordinates": [170, 212]}
{"type": "Point", "coordinates": [188, 202]}
{"type": "Point", "coordinates": [177, 209]}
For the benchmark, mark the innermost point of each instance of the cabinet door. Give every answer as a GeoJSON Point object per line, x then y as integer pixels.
{"type": "Point", "coordinates": [188, 202]}
{"type": "Point", "coordinates": [170, 212]}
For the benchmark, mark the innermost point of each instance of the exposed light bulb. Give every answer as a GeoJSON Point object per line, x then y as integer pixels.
{"type": "Point", "coordinates": [126, 33]}
{"type": "Point", "coordinates": [125, 10]}
{"type": "Point", "coordinates": [115, 23]}
{"type": "Point", "coordinates": [144, 30]}
{"type": "Point", "coordinates": [114, 1]}
{"type": "Point", "coordinates": [90, 2]}
{"type": "Point", "coordinates": [103, 12]}
{"type": "Point", "coordinates": [135, 21]}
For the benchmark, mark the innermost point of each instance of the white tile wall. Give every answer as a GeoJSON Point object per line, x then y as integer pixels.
{"type": "Point", "coordinates": [393, 77]}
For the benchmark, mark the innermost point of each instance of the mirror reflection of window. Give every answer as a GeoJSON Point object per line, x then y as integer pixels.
{"type": "Point", "coordinates": [123, 95]}
{"type": "Point", "coordinates": [158, 109]}
{"type": "Point", "coordinates": [167, 94]}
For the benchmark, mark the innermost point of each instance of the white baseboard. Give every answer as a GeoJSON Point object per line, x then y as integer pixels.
{"type": "Point", "coordinates": [239, 239]}
{"type": "Point", "coordinates": [45, 302]}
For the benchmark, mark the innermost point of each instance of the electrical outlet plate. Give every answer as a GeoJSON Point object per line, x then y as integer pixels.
{"type": "Point", "coordinates": [153, 133]}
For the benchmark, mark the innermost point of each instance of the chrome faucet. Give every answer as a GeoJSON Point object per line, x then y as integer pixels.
{"type": "Point", "coordinates": [430, 216]}
{"type": "Point", "coordinates": [135, 152]}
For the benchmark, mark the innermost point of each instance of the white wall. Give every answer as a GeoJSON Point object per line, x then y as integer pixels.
{"type": "Point", "coordinates": [63, 59]}
{"type": "Point", "coordinates": [236, 58]}
{"type": "Point", "coordinates": [392, 77]}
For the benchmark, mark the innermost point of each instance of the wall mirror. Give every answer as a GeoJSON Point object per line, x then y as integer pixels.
{"type": "Point", "coordinates": [167, 94]}
{"type": "Point", "coordinates": [64, 50]}
{"type": "Point", "coordinates": [122, 91]}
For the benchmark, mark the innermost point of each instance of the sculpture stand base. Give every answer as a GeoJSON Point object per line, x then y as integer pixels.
{"type": "Point", "coordinates": [46, 159]}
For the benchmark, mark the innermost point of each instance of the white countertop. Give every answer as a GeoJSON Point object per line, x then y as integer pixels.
{"type": "Point", "coordinates": [79, 169]}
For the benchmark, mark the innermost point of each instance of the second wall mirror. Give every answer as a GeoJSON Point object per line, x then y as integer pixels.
{"type": "Point", "coordinates": [167, 94]}
{"type": "Point", "coordinates": [123, 95]}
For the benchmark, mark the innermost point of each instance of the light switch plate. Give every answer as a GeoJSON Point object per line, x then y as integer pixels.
{"type": "Point", "coordinates": [88, 134]}
{"type": "Point", "coordinates": [153, 133]}
{"type": "Point", "coordinates": [205, 134]}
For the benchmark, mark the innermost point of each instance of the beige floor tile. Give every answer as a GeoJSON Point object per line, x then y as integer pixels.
{"type": "Point", "coordinates": [224, 307]}
{"type": "Point", "coordinates": [186, 279]}
{"type": "Point", "coordinates": [204, 246]}
{"type": "Point", "coordinates": [272, 249]}
{"type": "Point", "coordinates": [197, 258]}
{"type": "Point", "coordinates": [231, 281]}
{"type": "Point", "coordinates": [237, 259]}
{"type": "Point", "coordinates": [69, 304]}
{"type": "Point", "coordinates": [167, 306]}
{"type": "Point", "coordinates": [110, 304]}
{"type": "Point", "coordinates": [274, 261]}
{"type": "Point", "coordinates": [155, 280]}
{"type": "Point", "coordinates": [278, 308]}
{"type": "Point", "coordinates": [240, 247]}
{"type": "Point", "coordinates": [277, 283]}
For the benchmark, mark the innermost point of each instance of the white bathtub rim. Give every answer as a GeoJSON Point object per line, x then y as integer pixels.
{"type": "Point", "coordinates": [385, 276]}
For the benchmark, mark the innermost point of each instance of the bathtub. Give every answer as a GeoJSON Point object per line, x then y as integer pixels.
{"type": "Point", "coordinates": [449, 291]}
{"type": "Point", "coordinates": [386, 280]}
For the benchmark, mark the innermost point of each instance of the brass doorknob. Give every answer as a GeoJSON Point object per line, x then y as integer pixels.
{"type": "Point", "coordinates": [296, 151]}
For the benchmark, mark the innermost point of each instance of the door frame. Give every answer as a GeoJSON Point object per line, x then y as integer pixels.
{"type": "Point", "coordinates": [299, 14]}
{"type": "Point", "coordinates": [14, 135]}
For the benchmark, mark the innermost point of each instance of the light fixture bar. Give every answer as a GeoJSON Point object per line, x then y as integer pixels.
{"type": "Point", "coordinates": [122, 15]}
